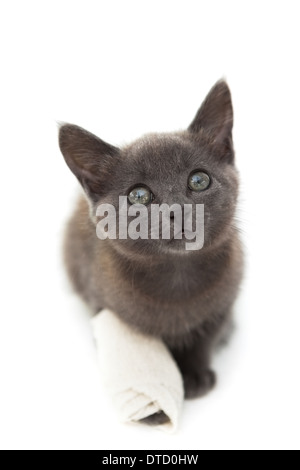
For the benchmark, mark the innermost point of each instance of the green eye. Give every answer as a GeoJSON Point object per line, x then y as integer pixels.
{"type": "Point", "coordinates": [199, 181]}
{"type": "Point", "coordinates": [140, 195]}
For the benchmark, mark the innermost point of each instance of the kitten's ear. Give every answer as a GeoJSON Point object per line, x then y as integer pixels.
{"type": "Point", "coordinates": [215, 116]}
{"type": "Point", "coordinates": [89, 158]}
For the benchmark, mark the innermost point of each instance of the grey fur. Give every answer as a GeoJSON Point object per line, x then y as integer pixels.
{"type": "Point", "coordinates": [156, 286]}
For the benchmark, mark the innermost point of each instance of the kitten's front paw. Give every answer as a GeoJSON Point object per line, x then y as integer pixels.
{"type": "Point", "coordinates": [198, 383]}
{"type": "Point", "coordinates": [156, 420]}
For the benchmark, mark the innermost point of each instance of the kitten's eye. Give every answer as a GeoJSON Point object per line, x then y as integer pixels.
{"type": "Point", "coordinates": [140, 195]}
{"type": "Point", "coordinates": [199, 181]}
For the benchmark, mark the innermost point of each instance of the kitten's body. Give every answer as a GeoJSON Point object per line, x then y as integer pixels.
{"type": "Point", "coordinates": [171, 297]}
{"type": "Point", "coordinates": [183, 297]}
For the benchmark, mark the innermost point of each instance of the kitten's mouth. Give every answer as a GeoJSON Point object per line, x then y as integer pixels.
{"type": "Point", "coordinates": [183, 232]}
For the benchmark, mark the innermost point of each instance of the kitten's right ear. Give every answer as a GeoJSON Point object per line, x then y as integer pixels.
{"type": "Point", "coordinates": [215, 116]}
{"type": "Point", "coordinates": [88, 157]}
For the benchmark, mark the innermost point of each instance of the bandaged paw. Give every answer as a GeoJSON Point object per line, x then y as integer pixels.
{"type": "Point", "coordinates": [138, 372]}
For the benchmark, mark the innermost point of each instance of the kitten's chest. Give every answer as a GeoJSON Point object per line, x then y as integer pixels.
{"type": "Point", "coordinates": [166, 309]}
{"type": "Point", "coordinates": [172, 282]}
{"type": "Point", "coordinates": [169, 301]}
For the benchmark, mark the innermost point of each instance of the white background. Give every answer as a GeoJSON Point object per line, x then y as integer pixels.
{"type": "Point", "coordinates": [121, 69]}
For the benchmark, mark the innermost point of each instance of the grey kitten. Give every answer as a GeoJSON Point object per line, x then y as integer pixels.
{"type": "Point", "coordinates": [156, 286]}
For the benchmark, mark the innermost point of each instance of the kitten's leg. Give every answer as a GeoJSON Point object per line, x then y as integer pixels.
{"type": "Point", "coordinates": [194, 363]}
{"type": "Point", "coordinates": [194, 359]}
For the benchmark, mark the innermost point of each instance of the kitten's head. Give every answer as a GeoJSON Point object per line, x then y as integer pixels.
{"type": "Point", "coordinates": [195, 166]}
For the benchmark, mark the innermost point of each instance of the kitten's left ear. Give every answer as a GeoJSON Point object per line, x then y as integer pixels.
{"type": "Point", "coordinates": [215, 117]}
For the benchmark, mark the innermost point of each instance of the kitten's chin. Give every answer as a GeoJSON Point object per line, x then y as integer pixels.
{"type": "Point", "coordinates": [180, 247]}
{"type": "Point", "coordinates": [180, 251]}
{"type": "Point", "coordinates": [142, 249]}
